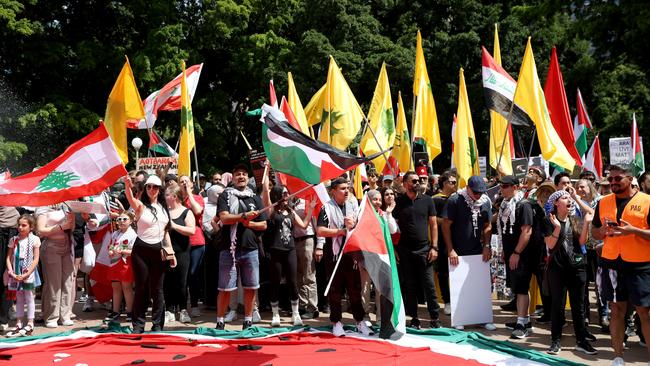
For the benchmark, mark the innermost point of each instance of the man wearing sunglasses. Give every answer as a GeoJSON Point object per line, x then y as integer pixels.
{"type": "Point", "coordinates": [622, 220]}
{"type": "Point", "coordinates": [416, 216]}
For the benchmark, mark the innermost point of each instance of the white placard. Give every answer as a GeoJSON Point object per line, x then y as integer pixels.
{"type": "Point", "coordinates": [470, 291]}
{"type": "Point", "coordinates": [87, 207]}
{"type": "Point", "coordinates": [620, 150]}
{"type": "Point", "coordinates": [482, 164]}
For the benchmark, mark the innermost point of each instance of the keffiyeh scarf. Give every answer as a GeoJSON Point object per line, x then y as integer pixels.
{"type": "Point", "coordinates": [234, 197]}
{"type": "Point", "coordinates": [507, 211]}
{"type": "Point", "coordinates": [474, 207]}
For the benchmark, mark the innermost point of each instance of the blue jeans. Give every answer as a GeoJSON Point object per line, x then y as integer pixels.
{"type": "Point", "coordinates": [247, 264]}
{"type": "Point", "coordinates": [195, 275]}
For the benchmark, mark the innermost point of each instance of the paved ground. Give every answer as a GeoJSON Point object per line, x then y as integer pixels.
{"type": "Point", "coordinates": [539, 340]}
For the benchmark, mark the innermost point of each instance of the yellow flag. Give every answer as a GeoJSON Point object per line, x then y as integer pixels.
{"type": "Point", "coordinates": [187, 128]}
{"type": "Point", "coordinates": [498, 127]}
{"type": "Point", "coordinates": [296, 106]}
{"type": "Point", "coordinates": [529, 96]}
{"type": "Point", "coordinates": [402, 146]}
{"type": "Point", "coordinates": [382, 122]}
{"type": "Point", "coordinates": [341, 116]}
{"type": "Point", "coordinates": [425, 125]}
{"type": "Point", "coordinates": [124, 104]}
{"type": "Point", "coordinates": [359, 174]}
{"type": "Point", "coordinates": [465, 151]}
{"type": "Point", "coordinates": [315, 107]}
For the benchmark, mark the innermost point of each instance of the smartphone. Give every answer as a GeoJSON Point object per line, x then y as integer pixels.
{"type": "Point", "coordinates": [612, 223]}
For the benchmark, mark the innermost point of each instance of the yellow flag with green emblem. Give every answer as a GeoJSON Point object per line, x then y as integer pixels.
{"type": "Point", "coordinates": [425, 125]}
{"type": "Point", "coordinates": [401, 152]}
{"type": "Point", "coordinates": [381, 120]}
{"type": "Point", "coordinates": [187, 128]}
{"type": "Point", "coordinates": [124, 104]}
{"type": "Point", "coordinates": [465, 151]}
{"type": "Point", "coordinates": [314, 109]}
{"type": "Point", "coordinates": [296, 107]}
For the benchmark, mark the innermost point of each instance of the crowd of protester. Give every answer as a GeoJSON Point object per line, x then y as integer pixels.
{"type": "Point", "coordinates": [227, 242]}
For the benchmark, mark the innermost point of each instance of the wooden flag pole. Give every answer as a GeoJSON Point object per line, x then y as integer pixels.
{"type": "Point", "coordinates": [392, 171]}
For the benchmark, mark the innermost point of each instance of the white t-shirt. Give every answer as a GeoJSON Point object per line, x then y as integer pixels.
{"type": "Point", "coordinates": [36, 243]}
{"type": "Point", "coordinates": [151, 230]}
{"type": "Point", "coordinates": [124, 240]}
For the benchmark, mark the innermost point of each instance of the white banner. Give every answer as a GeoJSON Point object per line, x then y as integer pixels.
{"type": "Point", "coordinates": [620, 150]}
{"type": "Point", "coordinates": [151, 164]}
{"type": "Point", "coordinates": [470, 281]}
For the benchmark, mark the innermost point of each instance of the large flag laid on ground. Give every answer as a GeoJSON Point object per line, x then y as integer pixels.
{"type": "Point", "coordinates": [157, 144]}
{"type": "Point", "coordinates": [85, 168]}
{"type": "Point", "coordinates": [594, 160]}
{"type": "Point", "coordinates": [425, 126]}
{"type": "Point", "coordinates": [168, 98]}
{"type": "Point", "coordinates": [400, 158]}
{"type": "Point", "coordinates": [187, 128]}
{"type": "Point", "coordinates": [340, 116]}
{"type": "Point", "coordinates": [501, 146]}
{"type": "Point", "coordinates": [292, 152]}
{"type": "Point", "coordinates": [381, 120]}
{"type": "Point", "coordinates": [581, 123]}
{"type": "Point", "coordinates": [296, 106]}
{"type": "Point", "coordinates": [465, 151]}
{"type": "Point", "coordinates": [530, 97]}
{"type": "Point", "coordinates": [371, 244]}
{"type": "Point", "coordinates": [124, 104]}
{"type": "Point", "coordinates": [558, 106]}
{"type": "Point", "coordinates": [638, 163]}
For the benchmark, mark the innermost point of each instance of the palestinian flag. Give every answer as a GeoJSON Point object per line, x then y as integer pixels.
{"type": "Point", "coordinates": [594, 159]}
{"type": "Point", "coordinates": [85, 168]}
{"type": "Point", "coordinates": [372, 246]}
{"type": "Point", "coordinates": [499, 90]}
{"type": "Point", "coordinates": [294, 153]}
{"type": "Point", "coordinates": [638, 164]}
{"type": "Point", "coordinates": [581, 123]}
{"type": "Point", "coordinates": [157, 144]}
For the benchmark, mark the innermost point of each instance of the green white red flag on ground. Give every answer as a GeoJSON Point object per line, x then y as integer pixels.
{"type": "Point", "coordinates": [85, 168]}
{"type": "Point", "coordinates": [581, 124]}
{"type": "Point", "coordinates": [371, 245]}
{"type": "Point", "coordinates": [638, 163]}
{"type": "Point", "coordinates": [593, 161]}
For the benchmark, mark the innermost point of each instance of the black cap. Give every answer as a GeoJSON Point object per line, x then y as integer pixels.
{"type": "Point", "coordinates": [240, 166]}
{"type": "Point", "coordinates": [476, 184]}
{"type": "Point", "coordinates": [509, 179]}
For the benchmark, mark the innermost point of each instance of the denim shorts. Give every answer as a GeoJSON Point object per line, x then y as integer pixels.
{"type": "Point", "coordinates": [247, 264]}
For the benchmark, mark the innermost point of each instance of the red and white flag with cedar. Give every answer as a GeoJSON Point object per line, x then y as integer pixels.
{"type": "Point", "coordinates": [85, 168]}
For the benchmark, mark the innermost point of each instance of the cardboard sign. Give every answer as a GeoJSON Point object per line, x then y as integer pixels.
{"type": "Point", "coordinates": [152, 164]}
{"type": "Point", "coordinates": [620, 150]}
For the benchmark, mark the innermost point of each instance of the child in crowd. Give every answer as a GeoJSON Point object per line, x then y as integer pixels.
{"type": "Point", "coordinates": [22, 276]}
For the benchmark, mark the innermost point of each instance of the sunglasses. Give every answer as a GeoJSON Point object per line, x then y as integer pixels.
{"type": "Point", "coordinates": [121, 219]}
{"type": "Point", "coordinates": [415, 181]}
{"type": "Point", "coordinates": [152, 186]}
{"type": "Point", "coordinates": [616, 179]}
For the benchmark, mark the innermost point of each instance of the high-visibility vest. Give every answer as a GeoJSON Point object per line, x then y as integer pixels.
{"type": "Point", "coordinates": [631, 248]}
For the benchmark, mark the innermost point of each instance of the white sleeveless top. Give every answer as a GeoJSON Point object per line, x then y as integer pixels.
{"type": "Point", "coordinates": [151, 230]}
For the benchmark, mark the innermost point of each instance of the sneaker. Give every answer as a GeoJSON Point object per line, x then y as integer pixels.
{"type": "Point", "coordinates": [246, 324]}
{"type": "Point", "coordinates": [169, 317]}
{"type": "Point", "coordinates": [447, 309]}
{"type": "Point", "coordinates": [435, 324]}
{"type": "Point", "coordinates": [129, 318]}
{"type": "Point", "coordinates": [415, 324]}
{"type": "Point", "coordinates": [4, 327]}
{"type": "Point", "coordinates": [618, 361]}
{"type": "Point", "coordinates": [586, 348]}
{"type": "Point", "coordinates": [590, 337]}
{"type": "Point", "coordinates": [83, 298]}
{"type": "Point", "coordinates": [88, 305]}
{"type": "Point", "coordinates": [544, 319]}
{"type": "Point", "coordinates": [555, 348]}
{"type": "Point", "coordinates": [521, 331]}
{"type": "Point", "coordinates": [220, 326]}
{"type": "Point", "coordinates": [67, 322]}
{"type": "Point", "coordinates": [230, 316]}
{"type": "Point", "coordinates": [363, 329]}
{"type": "Point", "coordinates": [489, 326]}
{"type": "Point", "coordinates": [325, 309]}
{"type": "Point", "coordinates": [184, 317]}
{"type": "Point", "coordinates": [510, 306]}
{"type": "Point", "coordinates": [459, 327]}
{"type": "Point", "coordinates": [275, 320]}
{"type": "Point", "coordinates": [195, 312]}
{"type": "Point", "coordinates": [256, 316]}
{"type": "Point", "coordinates": [513, 325]}
{"type": "Point", "coordinates": [297, 320]}
{"type": "Point", "coordinates": [337, 329]}
{"type": "Point", "coordinates": [53, 324]}
{"type": "Point", "coordinates": [310, 315]}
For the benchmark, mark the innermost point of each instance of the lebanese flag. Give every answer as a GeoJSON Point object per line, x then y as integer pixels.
{"type": "Point", "coordinates": [638, 162]}
{"type": "Point", "coordinates": [499, 91]}
{"type": "Point", "coordinates": [581, 123]}
{"type": "Point", "coordinates": [168, 98]}
{"type": "Point", "coordinates": [558, 107]}
{"type": "Point", "coordinates": [292, 152]}
{"type": "Point", "coordinates": [100, 274]}
{"type": "Point", "coordinates": [594, 159]}
{"type": "Point", "coordinates": [85, 168]}
{"type": "Point", "coordinates": [371, 245]}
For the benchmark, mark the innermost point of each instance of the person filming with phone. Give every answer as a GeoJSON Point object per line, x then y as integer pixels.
{"type": "Point", "coordinates": [622, 220]}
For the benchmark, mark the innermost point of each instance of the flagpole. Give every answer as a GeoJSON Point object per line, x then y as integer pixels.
{"type": "Point", "coordinates": [530, 150]}
{"type": "Point", "coordinates": [336, 266]}
{"type": "Point", "coordinates": [505, 135]}
{"type": "Point", "coordinates": [392, 171]}
{"type": "Point", "coordinates": [413, 134]}
{"type": "Point", "coordinates": [196, 162]}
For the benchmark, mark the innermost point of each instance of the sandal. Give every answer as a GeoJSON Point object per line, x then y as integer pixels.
{"type": "Point", "coordinates": [27, 330]}
{"type": "Point", "coordinates": [13, 332]}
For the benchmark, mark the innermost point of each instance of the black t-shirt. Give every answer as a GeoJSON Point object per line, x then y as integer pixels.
{"type": "Point", "coordinates": [413, 220]}
{"type": "Point", "coordinates": [618, 263]}
{"type": "Point", "coordinates": [324, 221]}
{"type": "Point", "coordinates": [523, 216]}
{"type": "Point", "coordinates": [465, 239]}
{"type": "Point", "coordinates": [247, 239]}
{"type": "Point", "coordinates": [567, 252]}
{"type": "Point", "coordinates": [439, 201]}
{"type": "Point", "coordinates": [279, 232]}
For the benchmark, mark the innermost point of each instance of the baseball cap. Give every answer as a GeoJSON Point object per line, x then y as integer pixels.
{"type": "Point", "coordinates": [476, 184]}
{"type": "Point", "coordinates": [387, 177]}
{"type": "Point", "coordinates": [154, 180]}
{"type": "Point", "coordinates": [240, 166]}
{"type": "Point", "coordinates": [509, 179]}
{"type": "Point", "coordinates": [422, 171]}
{"type": "Point", "coordinates": [539, 171]}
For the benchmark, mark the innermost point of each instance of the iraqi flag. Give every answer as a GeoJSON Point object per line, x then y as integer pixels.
{"type": "Point", "coordinates": [370, 243]}
{"type": "Point", "coordinates": [85, 168]}
{"type": "Point", "coordinates": [292, 152]}
{"type": "Point", "coordinates": [499, 90]}
{"type": "Point", "coordinates": [168, 98]}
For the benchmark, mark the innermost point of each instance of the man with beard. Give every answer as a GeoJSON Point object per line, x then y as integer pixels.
{"type": "Point", "coordinates": [534, 178]}
{"type": "Point", "coordinates": [239, 211]}
{"type": "Point", "coordinates": [416, 217]}
{"type": "Point", "coordinates": [466, 227]}
{"type": "Point", "coordinates": [622, 220]}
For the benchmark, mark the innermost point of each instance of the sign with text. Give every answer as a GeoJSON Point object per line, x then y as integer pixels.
{"type": "Point", "coordinates": [620, 150]}
{"type": "Point", "coordinates": [482, 164]}
{"type": "Point", "coordinates": [519, 165]}
{"type": "Point", "coordinates": [153, 164]}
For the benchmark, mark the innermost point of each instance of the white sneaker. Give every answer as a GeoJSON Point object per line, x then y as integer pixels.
{"type": "Point", "coordinates": [169, 317]}
{"type": "Point", "coordinates": [363, 329]}
{"type": "Point", "coordinates": [4, 327]}
{"type": "Point", "coordinates": [195, 312]}
{"type": "Point", "coordinates": [67, 322]}
{"type": "Point", "coordinates": [459, 327]}
{"type": "Point", "coordinates": [53, 324]}
{"type": "Point", "coordinates": [256, 316]}
{"type": "Point", "coordinates": [489, 326]}
{"type": "Point", "coordinates": [297, 320]}
{"type": "Point", "coordinates": [230, 316]}
{"type": "Point", "coordinates": [447, 309]}
{"type": "Point", "coordinates": [618, 361]}
{"type": "Point", "coordinates": [184, 317]}
{"type": "Point", "coordinates": [337, 329]}
{"type": "Point", "coordinates": [275, 321]}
